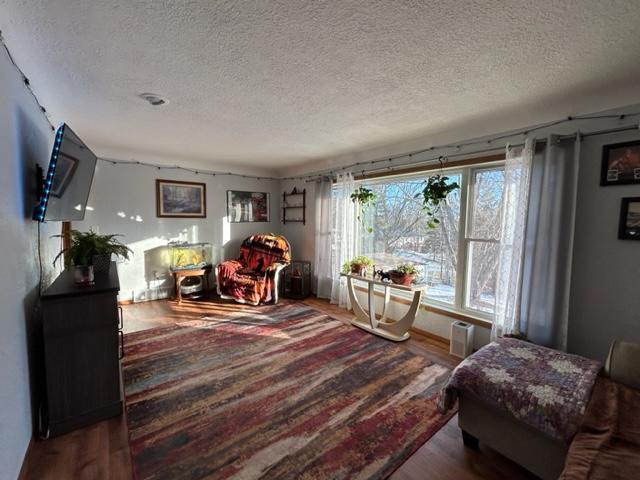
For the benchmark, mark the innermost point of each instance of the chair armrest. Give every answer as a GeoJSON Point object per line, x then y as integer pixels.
{"type": "Point", "coordinates": [623, 363]}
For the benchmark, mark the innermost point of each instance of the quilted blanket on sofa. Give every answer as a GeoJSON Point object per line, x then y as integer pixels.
{"type": "Point", "coordinates": [544, 388]}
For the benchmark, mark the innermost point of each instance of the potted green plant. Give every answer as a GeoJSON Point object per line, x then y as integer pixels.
{"type": "Point", "coordinates": [365, 198]}
{"type": "Point", "coordinates": [434, 194]}
{"type": "Point", "coordinates": [357, 266]}
{"type": "Point", "coordinates": [91, 253]}
{"type": "Point", "coordinates": [403, 274]}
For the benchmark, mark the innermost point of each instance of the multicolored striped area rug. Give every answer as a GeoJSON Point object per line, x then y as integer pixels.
{"type": "Point", "coordinates": [286, 393]}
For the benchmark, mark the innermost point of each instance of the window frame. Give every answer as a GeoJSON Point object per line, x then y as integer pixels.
{"type": "Point", "coordinates": [467, 170]}
{"type": "Point", "coordinates": [468, 238]}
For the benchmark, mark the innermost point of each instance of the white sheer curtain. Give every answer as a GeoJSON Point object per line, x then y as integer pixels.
{"type": "Point", "coordinates": [517, 174]}
{"type": "Point", "coordinates": [343, 238]}
{"type": "Point", "coordinates": [324, 226]}
{"type": "Point", "coordinates": [533, 287]}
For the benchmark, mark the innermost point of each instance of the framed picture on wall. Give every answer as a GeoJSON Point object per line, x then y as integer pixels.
{"type": "Point", "coordinates": [620, 163]}
{"type": "Point", "coordinates": [181, 199]}
{"type": "Point", "coordinates": [629, 228]}
{"type": "Point", "coordinates": [247, 206]}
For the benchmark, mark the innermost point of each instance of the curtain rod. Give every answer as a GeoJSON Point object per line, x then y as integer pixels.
{"type": "Point", "coordinates": [433, 160]}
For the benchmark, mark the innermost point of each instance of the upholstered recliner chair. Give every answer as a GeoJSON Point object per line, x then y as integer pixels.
{"type": "Point", "coordinates": [253, 277]}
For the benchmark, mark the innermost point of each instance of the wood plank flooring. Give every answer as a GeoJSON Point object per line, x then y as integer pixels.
{"type": "Point", "coordinates": [101, 451]}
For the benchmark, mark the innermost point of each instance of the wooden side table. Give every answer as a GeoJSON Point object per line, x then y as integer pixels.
{"type": "Point", "coordinates": [180, 275]}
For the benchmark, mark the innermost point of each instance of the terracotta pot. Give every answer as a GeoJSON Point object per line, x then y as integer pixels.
{"type": "Point", "coordinates": [401, 278]}
{"type": "Point", "coordinates": [359, 269]}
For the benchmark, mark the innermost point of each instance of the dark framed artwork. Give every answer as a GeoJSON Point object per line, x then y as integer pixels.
{"type": "Point", "coordinates": [247, 206]}
{"type": "Point", "coordinates": [65, 167]}
{"type": "Point", "coordinates": [629, 228]}
{"type": "Point", "coordinates": [620, 163]}
{"type": "Point", "coordinates": [181, 199]}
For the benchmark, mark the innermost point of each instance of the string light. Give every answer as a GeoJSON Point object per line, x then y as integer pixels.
{"type": "Point", "coordinates": [458, 147]}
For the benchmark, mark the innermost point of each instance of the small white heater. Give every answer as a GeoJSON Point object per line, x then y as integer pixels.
{"type": "Point", "coordinates": [461, 339]}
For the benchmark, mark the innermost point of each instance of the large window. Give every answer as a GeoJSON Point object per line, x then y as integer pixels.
{"type": "Point", "coordinates": [457, 260]}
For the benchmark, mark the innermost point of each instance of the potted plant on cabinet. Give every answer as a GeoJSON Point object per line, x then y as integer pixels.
{"type": "Point", "coordinates": [91, 253]}
{"type": "Point", "coordinates": [357, 266]}
{"type": "Point", "coordinates": [403, 274]}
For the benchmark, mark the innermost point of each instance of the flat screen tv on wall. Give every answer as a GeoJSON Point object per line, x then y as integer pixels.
{"type": "Point", "coordinates": [65, 188]}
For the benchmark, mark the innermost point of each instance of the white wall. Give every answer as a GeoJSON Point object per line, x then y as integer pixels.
{"type": "Point", "coordinates": [25, 138]}
{"type": "Point", "coordinates": [123, 198]}
{"type": "Point", "coordinates": [301, 237]}
{"type": "Point", "coordinates": [605, 290]}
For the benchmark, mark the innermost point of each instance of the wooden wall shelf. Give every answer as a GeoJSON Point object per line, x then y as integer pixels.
{"type": "Point", "coordinates": [297, 208]}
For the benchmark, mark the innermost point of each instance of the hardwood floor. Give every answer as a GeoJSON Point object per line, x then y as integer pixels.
{"type": "Point", "coordinates": [101, 451]}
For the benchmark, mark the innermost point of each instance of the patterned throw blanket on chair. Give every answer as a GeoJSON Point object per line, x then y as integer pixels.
{"type": "Point", "coordinates": [250, 277]}
{"type": "Point", "coordinates": [544, 388]}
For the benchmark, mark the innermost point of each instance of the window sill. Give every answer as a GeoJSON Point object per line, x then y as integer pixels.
{"type": "Point", "coordinates": [430, 307]}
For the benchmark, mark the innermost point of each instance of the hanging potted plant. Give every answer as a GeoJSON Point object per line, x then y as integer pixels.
{"type": "Point", "coordinates": [403, 274]}
{"type": "Point", "coordinates": [434, 194]}
{"type": "Point", "coordinates": [365, 198]}
{"type": "Point", "coordinates": [90, 253]}
{"type": "Point", "coordinates": [357, 266]}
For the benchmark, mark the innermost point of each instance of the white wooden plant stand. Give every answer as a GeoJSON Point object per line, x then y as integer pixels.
{"type": "Point", "coordinates": [396, 330]}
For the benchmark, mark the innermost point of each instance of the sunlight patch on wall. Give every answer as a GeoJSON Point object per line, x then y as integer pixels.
{"type": "Point", "coordinates": [226, 231]}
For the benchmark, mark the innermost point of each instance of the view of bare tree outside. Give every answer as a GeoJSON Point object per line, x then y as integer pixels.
{"type": "Point", "coordinates": [483, 238]}
{"type": "Point", "coordinates": [400, 234]}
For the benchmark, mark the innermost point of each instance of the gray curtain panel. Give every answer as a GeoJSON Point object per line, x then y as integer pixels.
{"type": "Point", "coordinates": [549, 242]}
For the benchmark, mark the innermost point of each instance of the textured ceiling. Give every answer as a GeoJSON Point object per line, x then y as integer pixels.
{"type": "Point", "coordinates": [280, 84]}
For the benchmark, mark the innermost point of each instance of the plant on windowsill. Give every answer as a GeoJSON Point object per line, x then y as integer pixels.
{"type": "Point", "coordinates": [434, 194]}
{"type": "Point", "coordinates": [90, 253]}
{"type": "Point", "coordinates": [357, 266]}
{"type": "Point", "coordinates": [365, 198]}
{"type": "Point", "coordinates": [403, 274]}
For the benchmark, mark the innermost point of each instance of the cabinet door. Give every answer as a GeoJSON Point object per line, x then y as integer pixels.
{"type": "Point", "coordinates": [81, 355]}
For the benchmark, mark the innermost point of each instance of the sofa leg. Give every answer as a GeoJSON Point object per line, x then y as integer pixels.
{"type": "Point", "coordinates": [469, 440]}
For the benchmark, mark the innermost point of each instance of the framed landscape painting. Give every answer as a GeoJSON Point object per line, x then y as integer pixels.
{"type": "Point", "coordinates": [629, 228]}
{"type": "Point", "coordinates": [181, 199]}
{"type": "Point", "coordinates": [247, 206]}
{"type": "Point", "coordinates": [620, 164]}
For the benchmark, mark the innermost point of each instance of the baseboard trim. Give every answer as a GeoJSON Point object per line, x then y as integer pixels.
{"type": "Point", "coordinates": [432, 336]}
{"type": "Point", "coordinates": [169, 297]}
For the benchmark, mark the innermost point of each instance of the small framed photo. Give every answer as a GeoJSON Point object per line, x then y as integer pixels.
{"type": "Point", "coordinates": [181, 199]}
{"type": "Point", "coordinates": [247, 206]}
{"type": "Point", "coordinates": [629, 228]}
{"type": "Point", "coordinates": [620, 163]}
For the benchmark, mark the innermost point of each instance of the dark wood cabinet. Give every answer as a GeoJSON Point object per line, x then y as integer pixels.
{"type": "Point", "coordinates": [82, 350]}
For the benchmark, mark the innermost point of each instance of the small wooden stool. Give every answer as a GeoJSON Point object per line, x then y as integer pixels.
{"type": "Point", "coordinates": [180, 275]}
